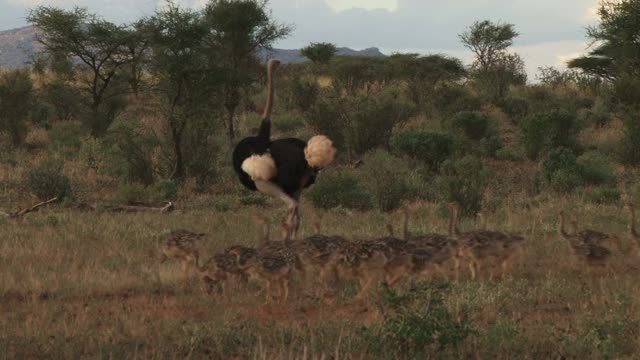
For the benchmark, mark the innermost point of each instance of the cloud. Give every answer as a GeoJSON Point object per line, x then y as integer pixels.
{"type": "Point", "coordinates": [342, 5]}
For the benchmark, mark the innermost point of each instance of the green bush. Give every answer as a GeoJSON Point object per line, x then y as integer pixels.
{"type": "Point", "coordinates": [604, 195]}
{"type": "Point", "coordinates": [304, 93]}
{"type": "Point", "coordinates": [566, 180]}
{"type": "Point", "coordinates": [517, 108]}
{"type": "Point", "coordinates": [92, 152]}
{"type": "Point", "coordinates": [596, 168]}
{"type": "Point", "coordinates": [475, 125]}
{"type": "Point", "coordinates": [427, 147]}
{"type": "Point", "coordinates": [46, 180]}
{"type": "Point", "coordinates": [463, 180]}
{"type": "Point", "coordinates": [362, 122]}
{"type": "Point", "coordinates": [548, 130]}
{"type": "Point", "coordinates": [339, 189]}
{"type": "Point", "coordinates": [66, 137]}
{"type": "Point", "coordinates": [16, 92]}
{"type": "Point", "coordinates": [558, 159]}
{"type": "Point", "coordinates": [415, 324]}
{"type": "Point", "coordinates": [163, 190]}
{"type": "Point", "coordinates": [450, 99]}
{"type": "Point", "coordinates": [201, 153]}
{"type": "Point", "coordinates": [64, 98]}
{"type": "Point", "coordinates": [629, 148]}
{"type": "Point", "coordinates": [128, 153]}
{"type": "Point", "coordinates": [594, 118]}
{"type": "Point", "coordinates": [388, 179]}
{"type": "Point", "coordinates": [475, 133]}
{"type": "Point", "coordinates": [562, 171]}
{"type": "Point", "coordinates": [131, 194]}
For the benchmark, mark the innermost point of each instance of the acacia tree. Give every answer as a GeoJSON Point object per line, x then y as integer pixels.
{"type": "Point", "coordinates": [97, 44]}
{"type": "Point", "coordinates": [422, 73]}
{"type": "Point", "coordinates": [615, 41]}
{"type": "Point", "coordinates": [319, 53]}
{"type": "Point", "coordinates": [184, 71]}
{"type": "Point", "coordinates": [494, 67]}
{"type": "Point", "coordinates": [616, 59]}
{"type": "Point", "coordinates": [237, 29]}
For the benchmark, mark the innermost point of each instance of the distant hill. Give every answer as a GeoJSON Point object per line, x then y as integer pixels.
{"type": "Point", "coordinates": [294, 56]}
{"type": "Point", "coordinates": [17, 45]}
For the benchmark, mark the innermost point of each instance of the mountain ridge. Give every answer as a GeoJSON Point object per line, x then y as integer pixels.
{"type": "Point", "coordinates": [18, 45]}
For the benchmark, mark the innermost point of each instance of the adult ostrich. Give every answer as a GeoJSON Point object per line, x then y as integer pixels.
{"type": "Point", "coordinates": [283, 167]}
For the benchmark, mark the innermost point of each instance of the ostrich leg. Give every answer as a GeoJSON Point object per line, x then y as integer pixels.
{"type": "Point", "coordinates": [272, 189]}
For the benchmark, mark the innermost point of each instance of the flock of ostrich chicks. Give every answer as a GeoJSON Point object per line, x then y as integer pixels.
{"type": "Point", "coordinates": [388, 258]}
{"type": "Point", "coordinates": [283, 168]}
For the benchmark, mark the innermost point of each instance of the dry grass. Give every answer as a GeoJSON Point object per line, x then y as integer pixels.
{"type": "Point", "coordinates": [85, 284]}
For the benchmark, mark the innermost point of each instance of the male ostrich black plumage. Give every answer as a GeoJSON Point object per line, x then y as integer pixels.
{"type": "Point", "coordinates": [283, 167]}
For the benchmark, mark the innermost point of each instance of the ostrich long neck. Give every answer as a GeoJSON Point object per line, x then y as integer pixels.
{"type": "Point", "coordinates": [265, 126]}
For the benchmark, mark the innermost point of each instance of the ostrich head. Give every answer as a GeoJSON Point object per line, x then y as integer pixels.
{"type": "Point", "coordinates": [273, 64]}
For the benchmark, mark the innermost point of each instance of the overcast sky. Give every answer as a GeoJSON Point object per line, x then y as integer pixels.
{"type": "Point", "coordinates": [552, 31]}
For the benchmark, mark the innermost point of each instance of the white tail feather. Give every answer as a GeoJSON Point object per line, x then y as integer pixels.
{"type": "Point", "coordinates": [260, 167]}
{"type": "Point", "coordinates": [319, 151]}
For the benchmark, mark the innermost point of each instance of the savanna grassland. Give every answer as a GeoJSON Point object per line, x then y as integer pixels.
{"type": "Point", "coordinates": [116, 121]}
{"type": "Point", "coordinates": [89, 284]}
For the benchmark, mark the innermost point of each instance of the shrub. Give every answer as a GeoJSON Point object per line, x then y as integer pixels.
{"type": "Point", "coordinates": [128, 153]}
{"type": "Point", "coordinates": [16, 91]}
{"type": "Point", "coordinates": [131, 194]}
{"type": "Point", "coordinates": [65, 99]}
{"type": "Point", "coordinates": [66, 137]}
{"type": "Point", "coordinates": [475, 125]}
{"type": "Point", "coordinates": [515, 107]}
{"type": "Point", "coordinates": [566, 180]}
{"type": "Point", "coordinates": [163, 190]}
{"type": "Point", "coordinates": [363, 122]}
{"type": "Point", "coordinates": [415, 324]}
{"type": "Point", "coordinates": [339, 189]}
{"type": "Point", "coordinates": [387, 178]}
{"type": "Point", "coordinates": [558, 159]}
{"type": "Point", "coordinates": [304, 93]}
{"type": "Point", "coordinates": [596, 168]}
{"type": "Point", "coordinates": [562, 171]}
{"type": "Point", "coordinates": [591, 117]}
{"type": "Point", "coordinates": [548, 130]}
{"type": "Point", "coordinates": [427, 147]}
{"type": "Point", "coordinates": [464, 181]}
{"type": "Point", "coordinates": [629, 148]}
{"type": "Point", "coordinates": [453, 98]}
{"type": "Point", "coordinates": [46, 180]}
{"type": "Point", "coordinates": [92, 152]}
{"type": "Point", "coordinates": [476, 133]}
{"type": "Point", "coordinates": [604, 195]}
{"type": "Point", "coordinates": [201, 153]}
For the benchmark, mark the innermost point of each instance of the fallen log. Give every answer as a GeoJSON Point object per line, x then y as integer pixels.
{"type": "Point", "coordinates": [20, 213]}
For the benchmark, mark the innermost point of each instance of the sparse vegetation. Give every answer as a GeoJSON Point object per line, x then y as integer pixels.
{"type": "Point", "coordinates": [116, 139]}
